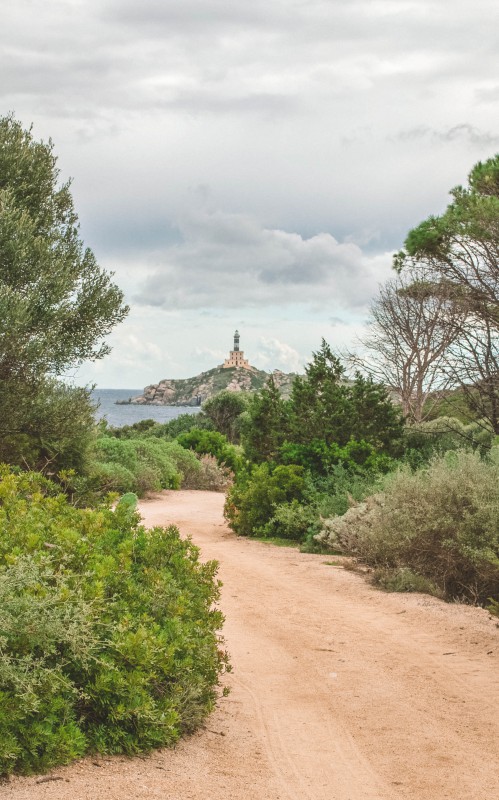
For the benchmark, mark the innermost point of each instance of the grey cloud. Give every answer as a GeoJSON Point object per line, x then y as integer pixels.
{"type": "Point", "coordinates": [167, 16]}
{"type": "Point", "coordinates": [463, 132]}
{"type": "Point", "coordinates": [219, 56]}
{"type": "Point", "coordinates": [257, 100]}
{"type": "Point", "coordinates": [200, 102]}
{"type": "Point", "coordinates": [230, 260]}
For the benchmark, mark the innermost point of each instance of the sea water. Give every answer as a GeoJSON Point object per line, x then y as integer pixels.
{"type": "Point", "coordinates": [118, 415]}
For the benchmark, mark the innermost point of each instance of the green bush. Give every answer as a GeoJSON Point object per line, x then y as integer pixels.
{"type": "Point", "coordinates": [158, 430]}
{"type": "Point", "coordinates": [110, 450]}
{"type": "Point", "coordinates": [181, 424]}
{"type": "Point", "coordinates": [110, 477]}
{"type": "Point", "coordinates": [440, 522]}
{"type": "Point", "coordinates": [141, 465]}
{"type": "Point", "coordinates": [252, 501]}
{"type": "Point", "coordinates": [321, 458]}
{"type": "Point", "coordinates": [292, 520]}
{"type": "Point", "coordinates": [108, 634]}
{"type": "Point", "coordinates": [211, 443]}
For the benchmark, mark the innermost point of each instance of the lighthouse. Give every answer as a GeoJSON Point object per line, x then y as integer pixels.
{"type": "Point", "coordinates": [236, 356]}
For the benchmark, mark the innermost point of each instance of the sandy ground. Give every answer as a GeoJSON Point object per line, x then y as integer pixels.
{"type": "Point", "coordinates": [339, 692]}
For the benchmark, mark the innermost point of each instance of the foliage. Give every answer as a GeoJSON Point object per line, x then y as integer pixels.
{"type": "Point", "coordinates": [56, 303]}
{"type": "Point", "coordinates": [136, 430]}
{"type": "Point", "coordinates": [403, 579]}
{"type": "Point", "coordinates": [441, 435]}
{"type": "Point", "coordinates": [141, 465]}
{"type": "Point", "coordinates": [460, 249]}
{"type": "Point", "coordinates": [161, 430]}
{"type": "Point", "coordinates": [211, 443]}
{"type": "Point", "coordinates": [320, 458]}
{"type": "Point", "coordinates": [324, 410]}
{"type": "Point", "coordinates": [50, 429]}
{"type": "Point", "coordinates": [324, 406]}
{"type": "Point", "coordinates": [451, 403]}
{"type": "Point", "coordinates": [264, 426]}
{"type": "Point", "coordinates": [291, 520]}
{"type": "Point", "coordinates": [440, 522]}
{"type": "Point", "coordinates": [210, 476]}
{"type": "Point", "coordinates": [108, 632]}
{"type": "Point", "coordinates": [331, 436]}
{"type": "Point", "coordinates": [251, 502]}
{"type": "Point", "coordinates": [224, 410]}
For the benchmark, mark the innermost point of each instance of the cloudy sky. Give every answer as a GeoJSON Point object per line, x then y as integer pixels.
{"type": "Point", "coordinates": [250, 164]}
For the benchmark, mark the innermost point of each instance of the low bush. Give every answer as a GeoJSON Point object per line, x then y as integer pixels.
{"type": "Point", "coordinates": [108, 633]}
{"type": "Point", "coordinates": [141, 465]}
{"type": "Point", "coordinates": [181, 424]}
{"type": "Point", "coordinates": [211, 476]}
{"type": "Point", "coordinates": [252, 501]}
{"type": "Point", "coordinates": [440, 522]}
{"type": "Point", "coordinates": [403, 579]}
{"type": "Point", "coordinates": [436, 437]}
{"type": "Point", "coordinates": [159, 430]}
{"type": "Point", "coordinates": [211, 443]}
{"type": "Point", "coordinates": [292, 520]}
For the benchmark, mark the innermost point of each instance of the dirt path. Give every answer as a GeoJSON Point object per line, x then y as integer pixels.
{"type": "Point", "coordinates": [339, 692]}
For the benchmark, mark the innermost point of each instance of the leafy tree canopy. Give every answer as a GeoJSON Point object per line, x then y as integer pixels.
{"type": "Point", "coordinates": [56, 306]}
{"type": "Point", "coordinates": [224, 410]}
{"type": "Point", "coordinates": [324, 407]}
{"type": "Point", "coordinates": [462, 244]}
{"type": "Point", "coordinates": [56, 303]}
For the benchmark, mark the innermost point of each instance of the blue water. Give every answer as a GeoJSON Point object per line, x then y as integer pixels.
{"type": "Point", "coordinates": [127, 415]}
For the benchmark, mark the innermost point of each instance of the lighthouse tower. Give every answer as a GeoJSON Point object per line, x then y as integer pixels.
{"type": "Point", "coordinates": [236, 356]}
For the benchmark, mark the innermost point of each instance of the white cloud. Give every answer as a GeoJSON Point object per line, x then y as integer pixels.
{"type": "Point", "coordinates": [274, 354]}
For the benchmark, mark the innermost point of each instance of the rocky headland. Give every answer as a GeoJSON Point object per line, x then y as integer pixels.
{"type": "Point", "coordinates": [194, 391]}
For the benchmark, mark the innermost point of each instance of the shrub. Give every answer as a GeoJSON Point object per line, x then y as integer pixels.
{"type": "Point", "coordinates": [436, 437]}
{"type": "Point", "coordinates": [251, 502]}
{"type": "Point", "coordinates": [441, 522]}
{"type": "Point", "coordinates": [292, 520]}
{"type": "Point", "coordinates": [156, 455]}
{"type": "Point", "coordinates": [110, 450]}
{"type": "Point", "coordinates": [321, 458]}
{"type": "Point", "coordinates": [110, 477]}
{"type": "Point", "coordinates": [181, 424]}
{"type": "Point", "coordinates": [224, 410]}
{"type": "Point", "coordinates": [108, 632]}
{"type": "Point", "coordinates": [403, 579]}
{"type": "Point", "coordinates": [211, 475]}
{"type": "Point", "coordinates": [153, 464]}
{"type": "Point", "coordinates": [211, 443]}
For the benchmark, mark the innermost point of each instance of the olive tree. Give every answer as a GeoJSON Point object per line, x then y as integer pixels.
{"type": "Point", "coordinates": [56, 304]}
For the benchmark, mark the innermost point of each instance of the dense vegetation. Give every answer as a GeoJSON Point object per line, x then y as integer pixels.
{"type": "Point", "coordinates": [108, 635]}
{"type": "Point", "coordinates": [409, 489]}
{"type": "Point", "coordinates": [56, 307]}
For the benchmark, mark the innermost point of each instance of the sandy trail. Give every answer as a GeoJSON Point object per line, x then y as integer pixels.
{"type": "Point", "coordinates": [339, 692]}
